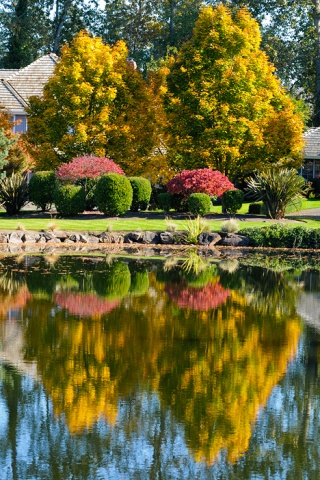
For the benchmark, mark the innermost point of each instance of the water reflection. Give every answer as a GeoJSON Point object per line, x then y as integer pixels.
{"type": "Point", "coordinates": [134, 357]}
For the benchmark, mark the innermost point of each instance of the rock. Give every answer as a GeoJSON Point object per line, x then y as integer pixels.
{"type": "Point", "coordinates": [234, 240]}
{"type": "Point", "coordinates": [150, 237]}
{"type": "Point", "coordinates": [107, 237]}
{"type": "Point", "coordinates": [3, 238]}
{"type": "Point", "coordinates": [61, 234]}
{"type": "Point", "coordinates": [40, 239]}
{"type": "Point", "coordinates": [29, 237]}
{"type": "Point", "coordinates": [208, 239]}
{"type": "Point", "coordinates": [15, 238]}
{"type": "Point", "coordinates": [93, 239]}
{"type": "Point", "coordinates": [133, 237]}
{"type": "Point", "coordinates": [75, 237]}
{"type": "Point", "coordinates": [166, 238]}
{"type": "Point", "coordinates": [48, 235]}
{"type": "Point", "coordinates": [54, 240]}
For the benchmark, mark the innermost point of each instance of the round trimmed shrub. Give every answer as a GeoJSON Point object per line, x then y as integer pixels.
{"type": "Point", "coordinates": [199, 203]}
{"type": "Point", "coordinates": [141, 189]}
{"type": "Point", "coordinates": [69, 200]}
{"type": "Point", "coordinates": [164, 201]}
{"type": "Point", "coordinates": [232, 201]}
{"type": "Point", "coordinates": [41, 189]}
{"type": "Point", "coordinates": [255, 208]}
{"type": "Point", "coordinates": [113, 194]}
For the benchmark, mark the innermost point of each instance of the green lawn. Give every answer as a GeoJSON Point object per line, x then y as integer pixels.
{"type": "Point", "coordinates": [126, 224]}
{"type": "Point", "coordinates": [122, 224]}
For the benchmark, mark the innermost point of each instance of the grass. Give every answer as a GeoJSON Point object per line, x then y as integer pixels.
{"type": "Point", "coordinates": [126, 224]}
{"type": "Point", "coordinates": [122, 224]}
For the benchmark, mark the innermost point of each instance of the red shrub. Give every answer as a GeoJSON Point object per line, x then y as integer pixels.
{"type": "Point", "coordinates": [87, 166]}
{"type": "Point", "coordinates": [204, 180]}
{"type": "Point", "coordinates": [205, 298]}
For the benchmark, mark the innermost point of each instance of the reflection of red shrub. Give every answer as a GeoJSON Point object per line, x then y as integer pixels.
{"type": "Point", "coordinates": [210, 296]}
{"type": "Point", "coordinates": [15, 301]}
{"type": "Point", "coordinates": [85, 305]}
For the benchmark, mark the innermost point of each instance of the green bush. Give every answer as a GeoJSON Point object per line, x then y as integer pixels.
{"type": "Point", "coordinates": [232, 201]}
{"type": "Point", "coordinates": [141, 190]}
{"type": "Point", "coordinates": [199, 203]}
{"type": "Point", "coordinates": [178, 203]}
{"type": "Point", "coordinates": [315, 184]}
{"type": "Point", "coordinates": [113, 194]}
{"type": "Point", "coordinates": [41, 189]}
{"type": "Point", "coordinates": [280, 236]}
{"type": "Point", "coordinates": [69, 200]}
{"type": "Point", "coordinates": [13, 193]}
{"type": "Point", "coordinates": [164, 201]}
{"type": "Point", "coordinates": [255, 208]}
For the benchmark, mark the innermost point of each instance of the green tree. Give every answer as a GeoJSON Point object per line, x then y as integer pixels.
{"type": "Point", "coordinates": [5, 145]}
{"type": "Point", "coordinates": [25, 25]}
{"type": "Point", "coordinates": [29, 28]}
{"type": "Point", "coordinates": [226, 108]}
{"type": "Point", "coordinates": [96, 103]}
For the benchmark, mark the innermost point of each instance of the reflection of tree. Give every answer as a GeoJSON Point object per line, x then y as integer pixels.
{"type": "Point", "coordinates": [217, 387]}
{"type": "Point", "coordinates": [13, 292]}
{"type": "Point", "coordinates": [213, 368]}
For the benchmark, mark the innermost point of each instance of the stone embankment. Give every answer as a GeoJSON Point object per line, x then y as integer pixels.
{"type": "Point", "coordinates": [48, 237]}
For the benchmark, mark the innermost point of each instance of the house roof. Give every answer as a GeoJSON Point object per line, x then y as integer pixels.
{"type": "Point", "coordinates": [16, 86]}
{"type": "Point", "coordinates": [312, 145]}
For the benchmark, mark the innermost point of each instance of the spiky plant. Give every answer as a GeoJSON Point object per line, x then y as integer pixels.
{"type": "Point", "coordinates": [194, 227]}
{"type": "Point", "coordinates": [13, 193]}
{"type": "Point", "coordinates": [277, 188]}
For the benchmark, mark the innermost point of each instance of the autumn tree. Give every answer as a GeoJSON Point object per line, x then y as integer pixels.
{"type": "Point", "coordinates": [226, 108]}
{"type": "Point", "coordinates": [97, 104]}
{"type": "Point", "coordinates": [13, 147]}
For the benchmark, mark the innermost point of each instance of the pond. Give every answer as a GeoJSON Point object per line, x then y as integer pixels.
{"type": "Point", "coordinates": [118, 368]}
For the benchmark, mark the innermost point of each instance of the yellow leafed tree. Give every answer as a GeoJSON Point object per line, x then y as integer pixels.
{"type": "Point", "coordinates": [95, 103]}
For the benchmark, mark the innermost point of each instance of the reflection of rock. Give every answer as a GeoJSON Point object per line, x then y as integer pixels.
{"type": "Point", "coordinates": [308, 306]}
{"type": "Point", "coordinates": [12, 346]}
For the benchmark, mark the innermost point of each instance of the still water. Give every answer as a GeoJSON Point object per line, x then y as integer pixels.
{"type": "Point", "coordinates": [133, 369]}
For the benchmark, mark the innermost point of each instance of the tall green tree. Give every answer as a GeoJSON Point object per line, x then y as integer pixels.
{"type": "Point", "coordinates": [226, 108]}
{"type": "Point", "coordinates": [30, 28]}
{"type": "Point", "coordinates": [149, 27]}
{"type": "Point", "coordinates": [25, 25]}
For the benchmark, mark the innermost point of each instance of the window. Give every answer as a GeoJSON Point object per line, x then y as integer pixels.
{"type": "Point", "coordinates": [21, 126]}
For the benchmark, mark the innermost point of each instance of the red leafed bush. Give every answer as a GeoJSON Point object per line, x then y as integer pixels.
{"type": "Point", "coordinates": [205, 298]}
{"type": "Point", "coordinates": [85, 305]}
{"type": "Point", "coordinates": [87, 166]}
{"type": "Point", "coordinates": [204, 180]}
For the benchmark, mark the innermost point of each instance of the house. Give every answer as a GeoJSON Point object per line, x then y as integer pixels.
{"type": "Point", "coordinates": [311, 166]}
{"type": "Point", "coordinates": [17, 85]}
